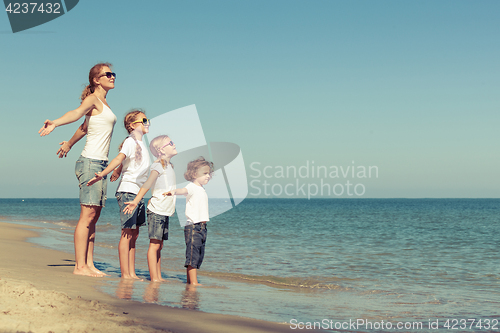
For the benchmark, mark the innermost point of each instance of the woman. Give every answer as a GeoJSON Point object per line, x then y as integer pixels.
{"type": "Point", "coordinates": [98, 125]}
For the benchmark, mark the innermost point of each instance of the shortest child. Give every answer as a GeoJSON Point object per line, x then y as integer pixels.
{"type": "Point", "coordinates": [198, 173]}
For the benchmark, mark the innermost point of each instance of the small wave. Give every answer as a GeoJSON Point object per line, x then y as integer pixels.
{"type": "Point", "coordinates": [107, 246]}
{"type": "Point", "coordinates": [311, 283]}
{"type": "Point", "coordinates": [64, 223]}
{"type": "Point", "coordinates": [60, 223]}
{"type": "Point", "coordinates": [106, 227]}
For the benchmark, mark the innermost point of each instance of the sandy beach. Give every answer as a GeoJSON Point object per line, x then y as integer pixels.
{"type": "Point", "coordinates": [39, 293]}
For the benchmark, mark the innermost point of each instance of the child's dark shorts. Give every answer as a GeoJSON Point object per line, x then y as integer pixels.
{"type": "Point", "coordinates": [195, 236]}
{"type": "Point", "coordinates": [137, 218]}
{"type": "Point", "coordinates": [157, 226]}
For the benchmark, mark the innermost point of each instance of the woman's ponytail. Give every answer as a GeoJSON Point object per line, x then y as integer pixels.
{"type": "Point", "coordinates": [93, 74]}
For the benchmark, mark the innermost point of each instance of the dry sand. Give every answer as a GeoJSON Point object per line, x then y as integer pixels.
{"type": "Point", "coordinates": [39, 293]}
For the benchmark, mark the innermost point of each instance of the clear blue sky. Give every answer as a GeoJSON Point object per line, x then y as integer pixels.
{"type": "Point", "coordinates": [410, 87]}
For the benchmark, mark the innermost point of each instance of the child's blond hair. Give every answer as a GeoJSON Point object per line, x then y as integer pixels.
{"type": "Point", "coordinates": [193, 166]}
{"type": "Point", "coordinates": [127, 122]}
{"type": "Point", "coordinates": [155, 147]}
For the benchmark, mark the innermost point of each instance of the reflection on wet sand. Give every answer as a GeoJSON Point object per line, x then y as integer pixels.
{"type": "Point", "coordinates": [158, 292]}
{"type": "Point", "coordinates": [190, 298]}
{"type": "Point", "coordinates": [152, 292]}
{"type": "Point", "coordinates": [125, 288]}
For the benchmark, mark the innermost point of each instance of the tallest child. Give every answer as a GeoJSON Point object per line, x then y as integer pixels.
{"type": "Point", "coordinates": [100, 121]}
{"type": "Point", "coordinates": [135, 160]}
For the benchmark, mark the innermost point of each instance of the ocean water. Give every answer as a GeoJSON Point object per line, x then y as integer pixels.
{"type": "Point", "coordinates": [351, 264]}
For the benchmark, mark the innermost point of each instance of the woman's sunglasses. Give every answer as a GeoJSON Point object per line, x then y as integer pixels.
{"type": "Point", "coordinates": [144, 121]}
{"type": "Point", "coordinates": [109, 75]}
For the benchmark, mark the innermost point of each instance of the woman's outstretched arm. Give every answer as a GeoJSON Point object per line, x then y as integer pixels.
{"type": "Point", "coordinates": [67, 145]}
{"type": "Point", "coordinates": [87, 105]}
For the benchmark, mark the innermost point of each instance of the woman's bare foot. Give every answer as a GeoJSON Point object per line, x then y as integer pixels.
{"type": "Point", "coordinates": [86, 271]}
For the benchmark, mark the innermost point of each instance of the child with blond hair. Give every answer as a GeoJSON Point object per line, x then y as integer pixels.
{"type": "Point", "coordinates": [199, 172]}
{"type": "Point", "coordinates": [134, 159]}
{"type": "Point", "coordinates": [160, 208]}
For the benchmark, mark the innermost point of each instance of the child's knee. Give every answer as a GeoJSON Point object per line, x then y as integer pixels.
{"type": "Point", "coordinates": [155, 244]}
{"type": "Point", "coordinates": [129, 234]}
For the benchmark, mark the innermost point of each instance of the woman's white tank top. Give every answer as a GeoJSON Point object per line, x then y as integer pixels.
{"type": "Point", "coordinates": [99, 132]}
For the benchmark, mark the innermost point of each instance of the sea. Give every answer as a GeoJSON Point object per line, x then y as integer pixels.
{"type": "Point", "coordinates": [359, 265]}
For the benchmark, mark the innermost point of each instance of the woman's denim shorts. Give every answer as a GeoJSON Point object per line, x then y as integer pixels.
{"type": "Point", "coordinates": [85, 170]}
{"type": "Point", "coordinates": [157, 226]}
{"type": "Point", "coordinates": [137, 218]}
{"type": "Point", "coordinates": [195, 236]}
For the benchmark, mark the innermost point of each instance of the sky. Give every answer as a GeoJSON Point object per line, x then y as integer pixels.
{"type": "Point", "coordinates": [410, 89]}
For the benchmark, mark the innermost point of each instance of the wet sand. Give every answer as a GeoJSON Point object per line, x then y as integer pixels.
{"type": "Point", "coordinates": [39, 293]}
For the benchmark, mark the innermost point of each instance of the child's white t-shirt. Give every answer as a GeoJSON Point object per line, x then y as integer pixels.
{"type": "Point", "coordinates": [160, 204]}
{"type": "Point", "coordinates": [196, 204]}
{"type": "Point", "coordinates": [134, 173]}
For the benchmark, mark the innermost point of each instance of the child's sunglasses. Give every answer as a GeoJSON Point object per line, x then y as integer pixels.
{"type": "Point", "coordinates": [171, 143]}
{"type": "Point", "coordinates": [109, 75]}
{"type": "Point", "coordinates": [144, 121]}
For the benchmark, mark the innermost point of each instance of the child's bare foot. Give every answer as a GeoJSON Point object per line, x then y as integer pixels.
{"type": "Point", "coordinates": [158, 280]}
{"type": "Point", "coordinates": [96, 271]}
{"type": "Point", "coordinates": [132, 277]}
{"type": "Point", "coordinates": [86, 271]}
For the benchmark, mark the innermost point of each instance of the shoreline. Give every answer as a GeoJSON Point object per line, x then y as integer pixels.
{"type": "Point", "coordinates": [40, 293]}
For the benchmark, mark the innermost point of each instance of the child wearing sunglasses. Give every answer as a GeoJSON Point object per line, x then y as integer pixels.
{"type": "Point", "coordinates": [198, 173]}
{"type": "Point", "coordinates": [134, 159]}
{"type": "Point", "coordinates": [160, 208]}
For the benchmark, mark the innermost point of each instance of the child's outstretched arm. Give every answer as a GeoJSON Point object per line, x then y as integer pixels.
{"type": "Point", "coordinates": [111, 166]}
{"type": "Point", "coordinates": [179, 191]}
{"type": "Point", "coordinates": [142, 192]}
{"type": "Point", "coordinates": [67, 145]}
{"type": "Point", "coordinates": [116, 173]}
